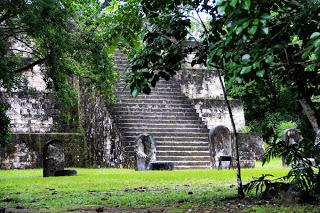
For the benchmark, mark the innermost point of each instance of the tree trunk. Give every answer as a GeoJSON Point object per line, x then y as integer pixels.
{"type": "Point", "coordinates": [239, 181]}
{"type": "Point", "coordinates": [310, 112]}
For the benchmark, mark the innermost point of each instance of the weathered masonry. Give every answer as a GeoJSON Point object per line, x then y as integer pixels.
{"type": "Point", "coordinates": [178, 114]}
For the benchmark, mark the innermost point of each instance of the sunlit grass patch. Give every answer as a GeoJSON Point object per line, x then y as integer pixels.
{"type": "Point", "coordinates": [179, 189]}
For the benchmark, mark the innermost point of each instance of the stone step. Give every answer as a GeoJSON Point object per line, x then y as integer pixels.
{"type": "Point", "coordinates": [153, 90]}
{"type": "Point", "coordinates": [158, 118]}
{"type": "Point", "coordinates": [183, 158]}
{"type": "Point", "coordinates": [192, 167]}
{"type": "Point", "coordinates": [176, 144]}
{"type": "Point", "coordinates": [137, 109]}
{"type": "Point", "coordinates": [153, 101]}
{"type": "Point", "coordinates": [166, 134]}
{"type": "Point", "coordinates": [186, 139]}
{"type": "Point", "coordinates": [142, 97]}
{"type": "Point", "coordinates": [172, 81]}
{"type": "Point", "coordinates": [174, 85]}
{"type": "Point", "coordinates": [163, 130]}
{"type": "Point", "coordinates": [120, 59]}
{"type": "Point", "coordinates": [162, 106]}
{"type": "Point", "coordinates": [189, 163]}
{"type": "Point", "coordinates": [182, 148]}
{"type": "Point", "coordinates": [123, 71]}
{"type": "Point", "coordinates": [179, 150]}
{"type": "Point", "coordinates": [154, 120]}
{"type": "Point", "coordinates": [155, 125]}
{"type": "Point", "coordinates": [182, 153]}
{"type": "Point", "coordinates": [183, 144]}
{"type": "Point", "coordinates": [158, 88]}
{"type": "Point", "coordinates": [156, 112]}
{"type": "Point", "coordinates": [189, 138]}
{"type": "Point", "coordinates": [123, 65]}
{"type": "Point", "coordinates": [165, 93]}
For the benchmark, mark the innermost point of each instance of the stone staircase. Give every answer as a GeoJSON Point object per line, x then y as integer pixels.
{"type": "Point", "coordinates": [168, 116]}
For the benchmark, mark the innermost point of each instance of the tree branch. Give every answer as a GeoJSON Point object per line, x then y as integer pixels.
{"type": "Point", "coordinates": [25, 43]}
{"type": "Point", "coordinates": [5, 16]}
{"type": "Point", "coordinates": [29, 66]}
{"type": "Point", "coordinates": [24, 51]}
{"type": "Point", "coordinates": [202, 23]}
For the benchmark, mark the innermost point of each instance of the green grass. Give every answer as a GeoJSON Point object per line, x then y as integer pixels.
{"type": "Point", "coordinates": [170, 190]}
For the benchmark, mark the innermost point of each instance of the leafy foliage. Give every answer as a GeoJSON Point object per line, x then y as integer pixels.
{"type": "Point", "coordinates": [267, 51]}
{"type": "Point", "coordinates": [4, 126]}
{"type": "Point", "coordinates": [259, 184]}
{"type": "Point", "coordinates": [67, 39]}
{"type": "Point", "coordinates": [303, 176]}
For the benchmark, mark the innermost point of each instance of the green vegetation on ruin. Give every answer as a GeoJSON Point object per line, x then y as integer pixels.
{"type": "Point", "coordinates": [174, 191]}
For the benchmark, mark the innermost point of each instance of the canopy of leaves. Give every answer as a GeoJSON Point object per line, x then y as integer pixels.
{"type": "Point", "coordinates": [265, 47]}
{"type": "Point", "coordinates": [68, 39]}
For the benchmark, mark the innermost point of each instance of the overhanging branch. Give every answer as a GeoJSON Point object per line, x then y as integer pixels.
{"type": "Point", "coordinates": [29, 66]}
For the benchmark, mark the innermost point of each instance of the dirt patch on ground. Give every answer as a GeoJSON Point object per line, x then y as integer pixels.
{"type": "Point", "coordinates": [98, 209]}
{"type": "Point", "coordinates": [230, 204]}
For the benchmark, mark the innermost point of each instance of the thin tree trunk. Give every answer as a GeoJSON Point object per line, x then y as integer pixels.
{"type": "Point", "coordinates": [310, 112]}
{"type": "Point", "coordinates": [239, 181]}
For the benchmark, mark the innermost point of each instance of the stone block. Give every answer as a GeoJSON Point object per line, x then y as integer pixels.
{"type": "Point", "coordinates": [162, 166]}
{"type": "Point", "coordinates": [53, 157]}
{"type": "Point", "coordinates": [145, 152]}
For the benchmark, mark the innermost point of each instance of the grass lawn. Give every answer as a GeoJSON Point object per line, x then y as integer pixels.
{"type": "Point", "coordinates": [171, 191]}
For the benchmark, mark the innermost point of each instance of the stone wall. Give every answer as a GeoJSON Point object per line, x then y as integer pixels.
{"type": "Point", "coordinates": [200, 84]}
{"type": "Point", "coordinates": [36, 117]}
{"type": "Point", "coordinates": [215, 113]}
{"type": "Point", "coordinates": [251, 146]}
{"type": "Point", "coordinates": [34, 109]}
{"type": "Point", "coordinates": [203, 88]}
{"type": "Point", "coordinates": [25, 151]}
{"type": "Point", "coordinates": [32, 112]}
{"type": "Point", "coordinates": [102, 136]}
{"type": "Point", "coordinates": [251, 149]}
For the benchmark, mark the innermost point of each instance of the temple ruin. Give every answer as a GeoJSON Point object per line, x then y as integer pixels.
{"type": "Point", "coordinates": [178, 114]}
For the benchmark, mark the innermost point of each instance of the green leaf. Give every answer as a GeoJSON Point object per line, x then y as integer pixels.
{"type": "Point", "coordinates": [265, 30]}
{"type": "Point", "coordinates": [245, 70]}
{"type": "Point", "coordinates": [256, 65]}
{"type": "Point", "coordinates": [239, 80]}
{"type": "Point", "coordinates": [245, 57]}
{"type": "Point", "coordinates": [253, 30]}
{"type": "Point", "coordinates": [245, 24]}
{"type": "Point", "coordinates": [255, 21]}
{"type": "Point", "coordinates": [233, 3]}
{"type": "Point", "coordinates": [269, 59]}
{"type": "Point", "coordinates": [315, 35]}
{"type": "Point", "coordinates": [260, 73]}
{"type": "Point", "coordinates": [246, 4]}
{"type": "Point", "coordinates": [135, 92]}
{"type": "Point", "coordinates": [307, 52]}
{"type": "Point", "coordinates": [239, 30]}
{"type": "Point", "coordinates": [219, 2]}
{"type": "Point", "coordinates": [222, 8]}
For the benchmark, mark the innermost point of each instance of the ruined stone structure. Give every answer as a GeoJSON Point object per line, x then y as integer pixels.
{"type": "Point", "coordinates": [178, 114]}
{"type": "Point", "coordinates": [145, 152]}
{"type": "Point", "coordinates": [53, 157]}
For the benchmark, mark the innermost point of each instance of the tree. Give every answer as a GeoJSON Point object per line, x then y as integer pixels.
{"type": "Point", "coordinates": [63, 38]}
{"type": "Point", "coordinates": [247, 40]}
{"type": "Point", "coordinates": [166, 50]}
